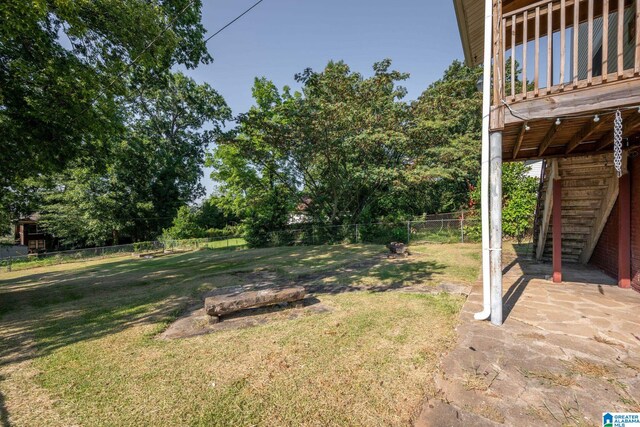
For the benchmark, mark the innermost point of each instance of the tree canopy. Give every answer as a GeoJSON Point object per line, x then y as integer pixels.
{"type": "Point", "coordinates": [150, 172]}
{"type": "Point", "coordinates": [66, 67]}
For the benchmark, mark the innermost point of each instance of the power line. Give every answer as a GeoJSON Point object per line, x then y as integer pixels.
{"type": "Point", "coordinates": [231, 22]}
{"type": "Point", "coordinates": [151, 43]}
{"type": "Point", "coordinates": [164, 30]}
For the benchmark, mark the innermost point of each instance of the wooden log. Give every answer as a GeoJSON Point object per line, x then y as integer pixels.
{"type": "Point", "coordinates": [237, 299]}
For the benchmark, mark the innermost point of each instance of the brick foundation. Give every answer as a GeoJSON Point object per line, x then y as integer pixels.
{"type": "Point", "coordinates": [605, 255]}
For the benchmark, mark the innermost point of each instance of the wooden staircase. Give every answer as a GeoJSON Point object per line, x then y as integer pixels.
{"type": "Point", "coordinates": [589, 192]}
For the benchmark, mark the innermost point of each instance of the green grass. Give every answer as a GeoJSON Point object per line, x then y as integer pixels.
{"type": "Point", "coordinates": [49, 259]}
{"type": "Point", "coordinates": [229, 243]}
{"type": "Point", "coordinates": [78, 341]}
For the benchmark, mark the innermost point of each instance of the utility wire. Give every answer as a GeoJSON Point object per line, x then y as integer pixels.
{"type": "Point", "coordinates": [231, 22]}
{"type": "Point", "coordinates": [164, 30]}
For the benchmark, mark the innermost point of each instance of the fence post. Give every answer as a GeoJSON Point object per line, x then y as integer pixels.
{"type": "Point", "coordinates": [356, 233]}
{"type": "Point", "coordinates": [9, 267]}
{"type": "Point", "coordinates": [462, 227]}
{"type": "Point", "coordinates": [408, 232]}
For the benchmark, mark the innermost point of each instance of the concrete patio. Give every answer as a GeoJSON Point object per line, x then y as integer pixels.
{"type": "Point", "coordinates": [565, 354]}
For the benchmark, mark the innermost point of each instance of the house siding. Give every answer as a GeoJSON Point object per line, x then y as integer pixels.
{"type": "Point", "coordinates": [605, 255]}
{"type": "Point", "coordinates": [634, 169]}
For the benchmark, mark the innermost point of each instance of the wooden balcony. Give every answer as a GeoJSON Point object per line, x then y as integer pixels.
{"type": "Point", "coordinates": [569, 60]}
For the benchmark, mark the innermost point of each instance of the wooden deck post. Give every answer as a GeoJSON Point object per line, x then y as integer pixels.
{"type": "Point", "coordinates": [557, 230]}
{"type": "Point", "coordinates": [624, 231]}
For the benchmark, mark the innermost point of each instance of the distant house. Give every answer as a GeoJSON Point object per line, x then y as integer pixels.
{"type": "Point", "coordinates": [29, 233]}
{"type": "Point", "coordinates": [535, 168]}
{"type": "Point", "coordinates": [301, 214]}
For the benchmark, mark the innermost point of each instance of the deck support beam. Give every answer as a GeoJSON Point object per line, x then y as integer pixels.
{"type": "Point", "coordinates": [557, 230]}
{"type": "Point", "coordinates": [587, 130]}
{"type": "Point", "coordinates": [548, 139]}
{"type": "Point", "coordinates": [495, 235]}
{"type": "Point", "coordinates": [516, 149]}
{"type": "Point", "coordinates": [624, 228]}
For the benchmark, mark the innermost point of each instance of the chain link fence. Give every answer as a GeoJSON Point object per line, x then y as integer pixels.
{"type": "Point", "coordinates": [140, 249]}
{"type": "Point", "coordinates": [452, 230]}
{"type": "Point", "coordinates": [443, 228]}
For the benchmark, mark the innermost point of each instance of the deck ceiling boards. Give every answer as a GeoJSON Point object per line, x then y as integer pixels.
{"type": "Point", "coordinates": [470, 14]}
{"type": "Point", "coordinates": [568, 128]}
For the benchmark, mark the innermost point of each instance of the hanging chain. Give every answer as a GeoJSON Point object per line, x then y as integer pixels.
{"type": "Point", "coordinates": [617, 143]}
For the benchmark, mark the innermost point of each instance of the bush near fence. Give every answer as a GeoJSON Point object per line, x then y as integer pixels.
{"type": "Point", "coordinates": [446, 228]}
{"type": "Point", "coordinates": [428, 231]}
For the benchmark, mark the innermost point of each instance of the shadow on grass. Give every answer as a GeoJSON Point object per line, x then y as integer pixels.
{"type": "Point", "coordinates": [42, 312]}
{"type": "Point", "coordinates": [4, 413]}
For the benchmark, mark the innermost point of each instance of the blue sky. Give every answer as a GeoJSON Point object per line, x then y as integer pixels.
{"type": "Point", "coordinates": [280, 38]}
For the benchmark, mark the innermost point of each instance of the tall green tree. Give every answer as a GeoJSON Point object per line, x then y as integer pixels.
{"type": "Point", "coordinates": [67, 66]}
{"type": "Point", "coordinates": [150, 173]}
{"type": "Point", "coordinates": [446, 135]}
{"type": "Point", "coordinates": [337, 147]}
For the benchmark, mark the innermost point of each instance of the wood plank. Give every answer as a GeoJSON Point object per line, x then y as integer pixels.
{"type": "Point", "coordinates": [576, 47]}
{"type": "Point", "coordinates": [615, 94]}
{"type": "Point", "coordinates": [546, 211]}
{"type": "Point", "coordinates": [536, 63]}
{"type": "Point", "coordinates": [503, 61]}
{"type": "Point", "coordinates": [513, 57]}
{"type": "Point", "coordinates": [602, 215]}
{"type": "Point", "coordinates": [498, 59]}
{"type": "Point", "coordinates": [525, 26]}
{"type": "Point", "coordinates": [516, 149]}
{"type": "Point", "coordinates": [582, 84]}
{"type": "Point", "coordinates": [590, 44]}
{"type": "Point", "coordinates": [637, 30]}
{"type": "Point", "coordinates": [550, 48]}
{"type": "Point", "coordinates": [605, 40]}
{"type": "Point", "coordinates": [584, 133]}
{"type": "Point", "coordinates": [563, 39]}
{"type": "Point", "coordinates": [548, 138]}
{"type": "Point", "coordinates": [557, 230]}
{"type": "Point", "coordinates": [620, 38]}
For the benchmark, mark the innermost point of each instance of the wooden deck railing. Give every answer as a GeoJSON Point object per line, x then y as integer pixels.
{"type": "Point", "coordinates": [556, 45]}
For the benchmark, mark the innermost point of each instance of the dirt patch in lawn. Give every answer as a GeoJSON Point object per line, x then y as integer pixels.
{"type": "Point", "coordinates": [196, 322]}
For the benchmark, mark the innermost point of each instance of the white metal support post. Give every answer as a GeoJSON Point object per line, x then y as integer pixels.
{"type": "Point", "coordinates": [484, 178]}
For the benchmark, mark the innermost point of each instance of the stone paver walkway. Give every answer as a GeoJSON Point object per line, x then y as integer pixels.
{"type": "Point", "coordinates": [565, 354]}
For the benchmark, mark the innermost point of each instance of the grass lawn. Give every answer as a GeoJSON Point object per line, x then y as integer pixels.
{"type": "Point", "coordinates": [78, 342]}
